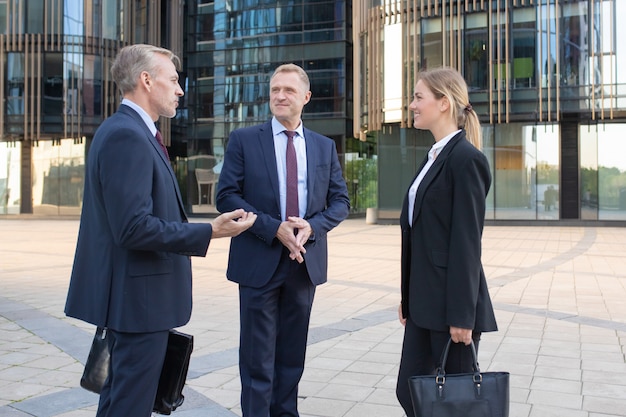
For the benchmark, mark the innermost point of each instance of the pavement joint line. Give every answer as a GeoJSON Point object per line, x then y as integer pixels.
{"type": "Point", "coordinates": [582, 246]}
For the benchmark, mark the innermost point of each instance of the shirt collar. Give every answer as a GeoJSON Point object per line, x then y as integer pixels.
{"type": "Point", "coordinates": [277, 128]}
{"type": "Point", "coordinates": [438, 146]}
{"type": "Point", "coordinates": [144, 116]}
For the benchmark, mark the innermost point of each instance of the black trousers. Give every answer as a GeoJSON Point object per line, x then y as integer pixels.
{"type": "Point", "coordinates": [421, 354]}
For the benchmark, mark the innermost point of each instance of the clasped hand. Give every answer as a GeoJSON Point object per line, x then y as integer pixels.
{"type": "Point", "coordinates": [293, 234]}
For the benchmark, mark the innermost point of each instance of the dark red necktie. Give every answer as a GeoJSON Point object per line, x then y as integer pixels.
{"type": "Point", "coordinates": [291, 208]}
{"type": "Point", "coordinates": [159, 139]}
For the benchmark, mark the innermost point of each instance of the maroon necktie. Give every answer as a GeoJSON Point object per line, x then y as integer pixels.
{"type": "Point", "coordinates": [291, 208]}
{"type": "Point", "coordinates": [159, 139]}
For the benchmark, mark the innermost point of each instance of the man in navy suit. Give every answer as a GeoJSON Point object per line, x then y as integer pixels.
{"type": "Point", "coordinates": [132, 268]}
{"type": "Point", "coordinates": [279, 261]}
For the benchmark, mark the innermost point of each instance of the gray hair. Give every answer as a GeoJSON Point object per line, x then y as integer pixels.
{"type": "Point", "coordinates": [132, 60]}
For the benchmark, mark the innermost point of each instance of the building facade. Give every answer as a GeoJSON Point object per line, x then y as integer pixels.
{"type": "Point", "coordinates": [56, 89]}
{"type": "Point", "coordinates": [231, 49]}
{"type": "Point", "coordinates": [546, 77]}
{"type": "Point", "coordinates": [55, 57]}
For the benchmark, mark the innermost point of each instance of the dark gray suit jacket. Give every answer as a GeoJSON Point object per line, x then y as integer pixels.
{"type": "Point", "coordinates": [132, 271]}
{"type": "Point", "coordinates": [443, 283]}
{"type": "Point", "coordinates": [249, 179]}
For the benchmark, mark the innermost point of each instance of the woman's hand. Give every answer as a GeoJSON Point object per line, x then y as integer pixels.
{"type": "Point", "coordinates": [460, 335]}
{"type": "Point", "coordinates": [400, 316]}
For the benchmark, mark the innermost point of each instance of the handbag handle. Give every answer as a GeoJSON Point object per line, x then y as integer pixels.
{"type": "Point", "coordinates": [440, 379]}
{"type": "Point", "coordinates": [444, 357]}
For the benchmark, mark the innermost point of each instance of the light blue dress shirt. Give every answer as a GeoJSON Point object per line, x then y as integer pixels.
{"type": "Point", "coordinates": [280, 148]}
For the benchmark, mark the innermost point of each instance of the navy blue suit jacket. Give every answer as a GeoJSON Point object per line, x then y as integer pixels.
{"type": "Point", "coordinates": [249, 179]}
{"type": "Point", "coordinates": [132, 270]}
{"type": "Point", "coordinates": [443, 283]}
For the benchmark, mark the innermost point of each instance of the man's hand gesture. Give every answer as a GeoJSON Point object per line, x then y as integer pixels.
{"type": "Point", "coordinates": [232, 223]}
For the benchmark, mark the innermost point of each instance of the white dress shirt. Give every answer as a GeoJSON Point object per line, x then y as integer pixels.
{"type": "Point", "coordinates": [147, 120]}
{"type": "Point", "coordinates": [432, 155]}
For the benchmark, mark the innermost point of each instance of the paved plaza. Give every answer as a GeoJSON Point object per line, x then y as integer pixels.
{"type": "Point", "coordinates": [559, 295]}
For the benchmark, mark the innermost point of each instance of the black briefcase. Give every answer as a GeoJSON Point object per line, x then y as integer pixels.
{"type": "Point", "coordinates": [476, 394]}
{"type": "Point", "coordinates": [173, 375]}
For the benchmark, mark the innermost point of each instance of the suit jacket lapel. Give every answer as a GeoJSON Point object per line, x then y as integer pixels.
{"type": "Point", "coordinates": [128, 110]}
{"type": "Point", "coordinates": [312, 157]}
{"type": "Point", "coordinates": [266, 142]}
{"type": "Point", "coordinates": [432, 173]}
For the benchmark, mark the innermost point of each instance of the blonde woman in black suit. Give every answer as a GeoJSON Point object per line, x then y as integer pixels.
{"type": "Point", "coordinates": [443, 286]}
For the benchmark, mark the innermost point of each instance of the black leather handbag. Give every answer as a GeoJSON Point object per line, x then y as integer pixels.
{"type": "Point", "coordinates": [173, 375]}
{"type": "Point", "coordinates": [476, 394]}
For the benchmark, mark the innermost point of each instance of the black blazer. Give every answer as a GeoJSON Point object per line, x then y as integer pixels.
{"type": "Point", "coordinates": [443, 283]}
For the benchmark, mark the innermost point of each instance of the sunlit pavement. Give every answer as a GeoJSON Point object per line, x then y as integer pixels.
{"type": "Point", "coordinates": [559, 295]}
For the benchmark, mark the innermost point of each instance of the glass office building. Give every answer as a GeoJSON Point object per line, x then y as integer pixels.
{"type": "Point", "coordinates": [232, 47]}
{"type": "Point", "coordinates": [56, 88]}
{"type": "Point", "coordinates": [546, 77]}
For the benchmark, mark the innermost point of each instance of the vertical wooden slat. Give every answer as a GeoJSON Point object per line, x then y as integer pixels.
{"type": "Point", "coordinates": [540, 54]}
{"type": "Point", "coordinates": [557, 53]}
{"type": "Point", "coordinates": [601, 60]}
{"type": "Point", "coordinates": [491, 64]}
{"type": "Point", "coordinates": [458, 34]}
{"type": "Point", "coordinates": [612, 88]}
{"type": "Point", "coordinates": [27, 93]}
{"type": "Point", "coordinates": [592, 54]}
{"type": "Point", "coordinates": [356, 77]}
{"type": "Point", "coordinates": [38, 78]}
{"type": "Point", "coordinates": [507, 60]}
{"type": "Point", "coordinates": [2, 78]}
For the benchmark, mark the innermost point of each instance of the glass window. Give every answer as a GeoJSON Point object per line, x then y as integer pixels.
{"type": "Point", "coordinates": [73, 18]}
{"type": "Point", "coordinates": [53, 84]}
{"type": "Point", "coordinates": [547, 45]}
{"type": "Point", "coordinates": [489, 151]}
{"type": "Point", "coordinates": [58, 177]}
{"type": "Point", "coordinates": [527, 172]}
{"type": "Point", "coordinates": [34, 16]}
{"type": "Point", "coordinates": [15, 83]}
{"type": "Point", "coordinates": [574, 59]}
{"type": "Point", "coordinates": [548, 171]}
{"type": "Point", "coordinates": [611, 172]}
{"type": "Point", "coordinates": [92, 85]}
{"type": "Point", "coordinates": [110, 20]}
{"type": "Point", "coordinates": [432, 48]}
{"type": "Point", "coordinates": [589, 172]}
{"type": "Point", "coordinates": [10, 181]}
{"type": "Point", "coordinates": [515, 161]}
{"type": "Point", "coordinates": [476, 55]}
{"type": "Point", "coordinates": [3, 16]}
{"type": "Point", "coordinates": [524, 48]}
{"type": "Point", "coordinates": [392, 73]}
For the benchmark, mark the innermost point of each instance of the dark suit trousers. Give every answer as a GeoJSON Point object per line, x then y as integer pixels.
{"type": "Point", "coordinates": [273, 338]}
{"type": "Point", "coordinates": [421, 354]}
{"type": "Point", "coordinates": [135, 368]}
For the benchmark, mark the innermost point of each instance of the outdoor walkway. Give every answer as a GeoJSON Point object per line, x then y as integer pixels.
{"type": "Point", "coordinates": [559, 295]}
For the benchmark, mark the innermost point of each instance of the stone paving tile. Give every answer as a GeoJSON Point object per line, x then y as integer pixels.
{"type": "Point", "coordinates": [558, 293]}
